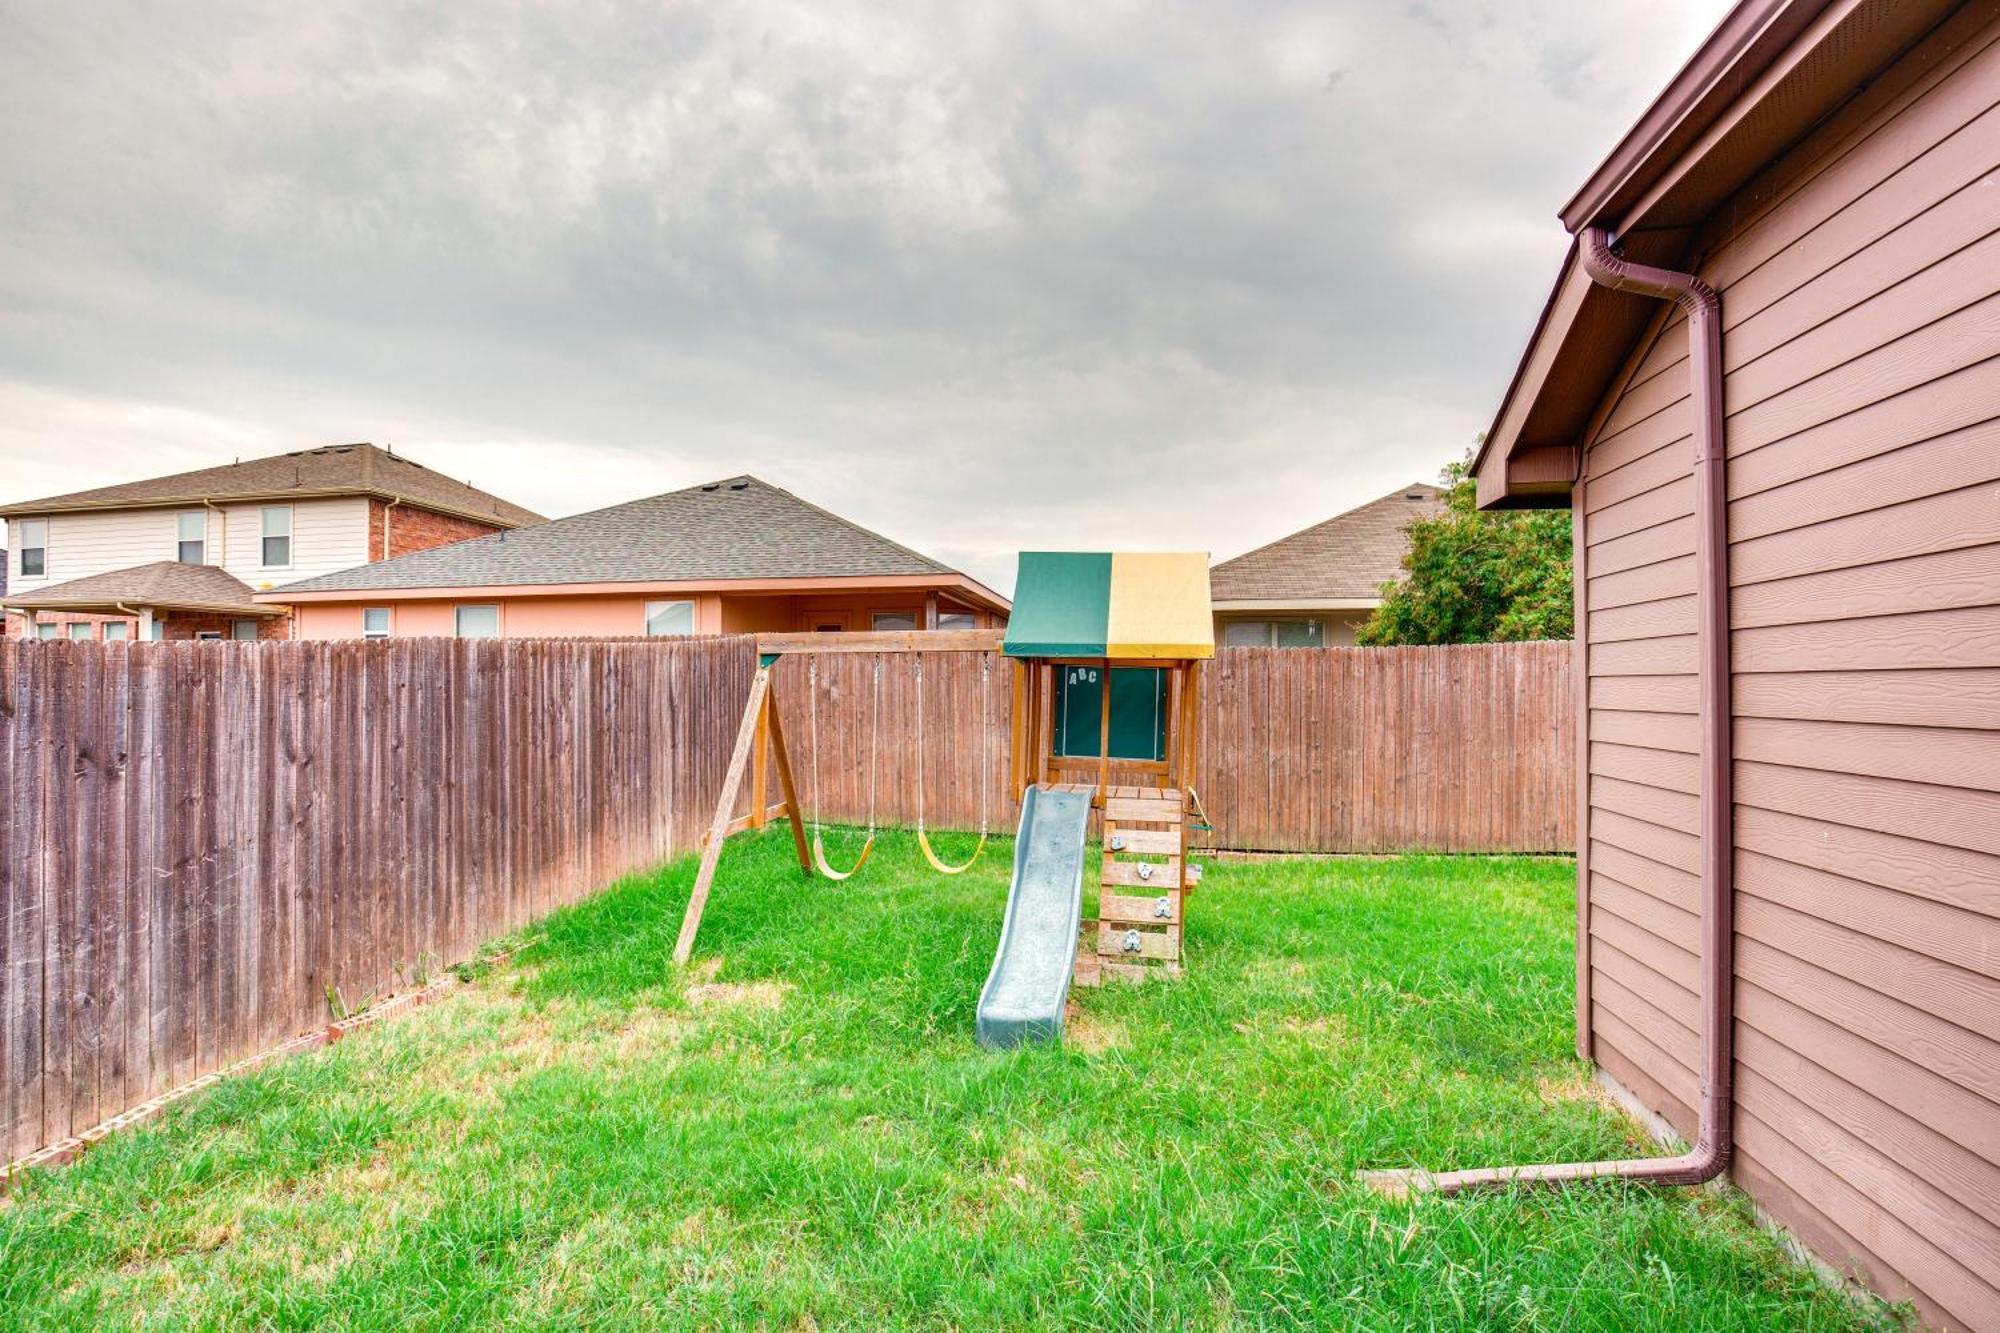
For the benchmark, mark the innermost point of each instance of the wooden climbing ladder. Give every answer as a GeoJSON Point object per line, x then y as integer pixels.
{"type": "Point", "coordinates": [1144, 883]}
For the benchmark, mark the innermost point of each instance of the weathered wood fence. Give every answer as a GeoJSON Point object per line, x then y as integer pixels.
{"type": "Point", "coordinates": [209, 848]}
{"type": "Point", "coordinates": [1459, 749]}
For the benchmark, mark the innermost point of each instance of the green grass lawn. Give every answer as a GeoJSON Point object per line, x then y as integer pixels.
{"type": "Point", "coordinates": [799, 1132]}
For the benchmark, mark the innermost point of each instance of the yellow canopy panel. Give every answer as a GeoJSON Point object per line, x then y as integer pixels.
{"type": "Point", "coordinates": [1125, 604]}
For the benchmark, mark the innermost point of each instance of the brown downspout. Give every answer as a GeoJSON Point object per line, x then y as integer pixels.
{"type": "Point", "coordinates": [1710, 1155]}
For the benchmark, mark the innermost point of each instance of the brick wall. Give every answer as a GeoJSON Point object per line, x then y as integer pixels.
{"type": "Point", "coordinates": [412, 529]}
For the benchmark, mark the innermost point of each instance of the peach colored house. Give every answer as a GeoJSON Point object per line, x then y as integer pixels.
{"type": "Point", "coordinates": [728, 557]}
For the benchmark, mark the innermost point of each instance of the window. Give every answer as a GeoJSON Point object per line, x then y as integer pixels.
{"type": "Point", "coordinates": [34, 535]}
{"type": "Point", "coordinates": [159, 630]}
{"type": "Point", "coordinates": [79, 631]}
{"type": "Point", "coordinates": [957, 620]}
{"type": "Point", "coordinates": [208, 635]}
{"type": "Point", "coordinates": [375, 622]}
{"type": "Point", "coordinates": [478, 622]}
{"type": "Point", "coordinates": [894, 620]}
{"type": "Point", "coordinates": [278, 537]}
{"type": "Point", "coordinates": [1272, 634]}
{"type": "Point", "coordinates": [244, 631]}
{"type": "Point", "coordinates": [115, 631]}
{"type": "Point", "coordinates": [45, 631]}
{"type": "Point", "coordinates": [193, 545]}
{"type": "Point", "coordinates": [669, 618]}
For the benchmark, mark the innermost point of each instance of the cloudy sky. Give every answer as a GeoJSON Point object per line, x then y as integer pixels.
{"type": "Point", "coordinates": [984, 276]}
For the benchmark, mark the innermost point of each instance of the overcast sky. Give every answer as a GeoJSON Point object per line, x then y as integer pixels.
{"type": "Point", "coordinates": [983, 276]}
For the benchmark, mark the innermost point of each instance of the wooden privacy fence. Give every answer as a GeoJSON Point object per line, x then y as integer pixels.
{"type": "Point", "coordinates": [208, 848]}
{"type": "Point", "coordinates": [1454, 749]}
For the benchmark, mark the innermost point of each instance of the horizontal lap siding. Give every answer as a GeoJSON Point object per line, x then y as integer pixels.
{"type": "Point", "coordinates": [1862, 351]}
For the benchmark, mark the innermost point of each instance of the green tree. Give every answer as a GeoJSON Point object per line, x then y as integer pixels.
{"type": "Point", "coordinates": [1474, 576]}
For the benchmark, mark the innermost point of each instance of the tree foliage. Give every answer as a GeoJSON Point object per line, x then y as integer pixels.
{"type": "Point", "coordinates": [1478, 577]}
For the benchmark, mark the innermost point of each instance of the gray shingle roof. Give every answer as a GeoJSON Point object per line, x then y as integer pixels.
{"type": "Point", "coordinates": [163, 583]}
{"type": "Point", "coordinates": [741, 528]}
{"type": "Point", "coordinates": [334, 469]}
{"type": "Point", "coordinates": [1351, 555]}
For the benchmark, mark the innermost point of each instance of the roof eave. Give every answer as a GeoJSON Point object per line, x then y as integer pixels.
{"type": "Point", "coordinates": [39, 508]}
{"type": "Point", "coordinates": [959, 585]}
{"type": "Point", "coordinates": [1768, 75]}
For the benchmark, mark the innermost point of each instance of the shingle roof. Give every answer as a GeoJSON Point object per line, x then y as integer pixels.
{"type": "Point", "coordinates": [334, 469]}
{"type": "Point", "coordinates": [740, 528]}
{"type": "Point", "coordinates": [163, 583]}
{"type": "Point", "coordinates": [1349, 556]}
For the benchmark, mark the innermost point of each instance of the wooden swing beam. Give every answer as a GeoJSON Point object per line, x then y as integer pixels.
{"type": "Point", "coordinates": [761, 725]}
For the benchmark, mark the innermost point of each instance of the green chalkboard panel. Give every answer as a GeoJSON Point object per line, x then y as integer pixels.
{"type": "Point", "coordinates": [1138, 712]}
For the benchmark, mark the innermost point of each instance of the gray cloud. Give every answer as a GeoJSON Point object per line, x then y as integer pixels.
{"type": "Point", "coordinates": [984, 276]}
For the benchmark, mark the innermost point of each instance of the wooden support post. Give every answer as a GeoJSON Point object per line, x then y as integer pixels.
{"type": "Point", "coordinates": [1104, 731]}
{"type": "Point", "coordinates": [760, 758]}
{"type": "Point", "coordinates": [725, 806]}
{"type": "Point", "coordinates": [784, 763]}
{"type": "Point", "coordinates": [930, 610]}
{"type": "Point", "coordinates": [1016, 732]}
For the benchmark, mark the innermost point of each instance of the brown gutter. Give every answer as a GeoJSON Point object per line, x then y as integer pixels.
{"type": "Point", "coordinates": [1710, 1155]}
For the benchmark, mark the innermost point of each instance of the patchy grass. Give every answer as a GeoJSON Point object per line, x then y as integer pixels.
{"type": "Point", "coordinates": [800, 1133]}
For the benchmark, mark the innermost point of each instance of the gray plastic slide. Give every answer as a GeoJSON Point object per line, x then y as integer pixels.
{"type": "Point", "coordinates": [1025, 991]}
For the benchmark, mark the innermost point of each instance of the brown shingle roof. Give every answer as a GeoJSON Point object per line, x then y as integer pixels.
{"type": "Point", "coordinates": [740, 528]}
{"type": "Point", "coordinates": [1351, 555]}
{"type": "Point", "coordinates": [164, 583]}
{"type": "Point", "coordinates": [334, 469]}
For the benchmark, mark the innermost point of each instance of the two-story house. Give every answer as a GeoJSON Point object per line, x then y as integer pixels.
{"type": "Point", "coordinates": [183, 556]}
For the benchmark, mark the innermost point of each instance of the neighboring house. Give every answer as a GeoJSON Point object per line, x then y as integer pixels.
{"type": "Point", "coordinates": [727, 557]}
{"type": "Point", "coordinates": [1791, 656]}
{"type": "Point", "coordinates": [181, 556]}
{"type": "Point", "coordinates": [1315, 588]}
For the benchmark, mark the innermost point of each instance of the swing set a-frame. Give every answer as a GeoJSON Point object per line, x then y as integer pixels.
{"type": "Point", "coordinates": [760, 751]}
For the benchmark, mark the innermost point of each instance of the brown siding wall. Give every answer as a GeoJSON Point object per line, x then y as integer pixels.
{"type": "Point", "coordinates": [1861, 297]}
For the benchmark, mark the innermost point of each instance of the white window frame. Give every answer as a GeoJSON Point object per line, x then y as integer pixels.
{"type": "Point", "coordinates": [1270, 625]}
{"type": "Point", "coordinates": [237, 626]}
{"type": "Point", "coordinates": [40, 549]}
{"type": "Point", "coordinates": [458, 619]}
{"type": "Point", "coordinates": [70, 631]}
{"type": "Point", "coordinates": [182, 541]}
{"type": "Point", "coordinates": [388, 622]}
{"type": "Point", "coordinates": [47, 630]}
{"type": "Point", "coordinates": [116, 631]}
{"type": "Point", "coordinates": [654, 610]}
{"type": "Point", "coordinates": [966, 620]}
{"type": "Point", "coordinates": [265, 537]}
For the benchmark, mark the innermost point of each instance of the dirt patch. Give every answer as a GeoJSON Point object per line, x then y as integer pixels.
{"type": "Point", "coordinates": [739, 994]}
{"type": "Point", "coordinates": [1091, 1034]}
{"type": "Point", "coordinates": [1578, 1086]}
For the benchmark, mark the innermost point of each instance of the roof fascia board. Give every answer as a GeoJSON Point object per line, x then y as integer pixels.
{"type": "Point", "coordinates": [1299, 604]}
{"type": "Point", "coordinates": [1573, 286]}
{"type": "Point", "coordinates": [958, 584]}
{"type": "Point", "coordinates": [1753, 33]}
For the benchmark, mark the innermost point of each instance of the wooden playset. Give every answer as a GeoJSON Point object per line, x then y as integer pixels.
{"type": "Point", "coordinates": [1107, 650]}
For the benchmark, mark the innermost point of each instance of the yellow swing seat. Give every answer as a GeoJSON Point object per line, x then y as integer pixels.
{"type": "Point", "coordinates": [819, 858]}
{"type": "Point", "coordinates": [924, 841]}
